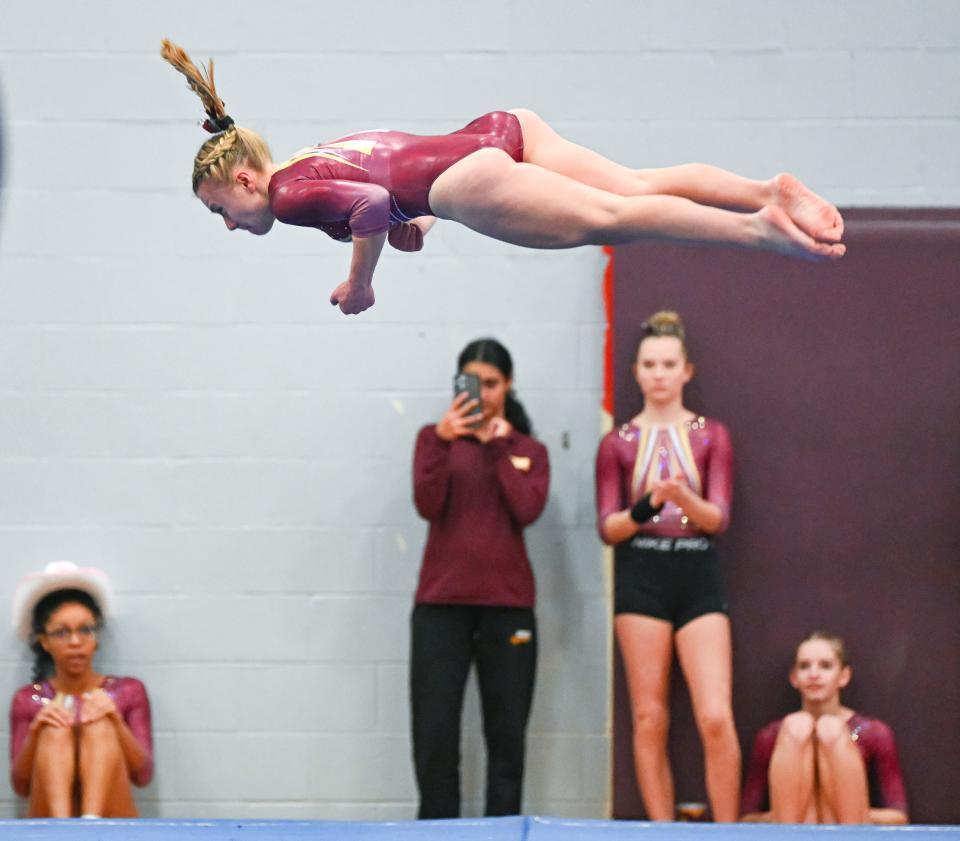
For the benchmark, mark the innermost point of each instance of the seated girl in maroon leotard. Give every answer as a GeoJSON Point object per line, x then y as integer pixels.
{"type": "Point", "coordinates": [507, 175]}
{"type": "Point", "coordinates": [825, 763]}
{"type": "Point", "coordinates": [78, 739]}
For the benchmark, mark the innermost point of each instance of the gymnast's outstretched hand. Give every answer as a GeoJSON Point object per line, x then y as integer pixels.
{"type": "Point", "coordinates": [353, 297]}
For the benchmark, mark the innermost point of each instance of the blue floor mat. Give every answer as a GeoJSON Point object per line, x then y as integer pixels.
{"type": "Point", "coordinates": [486, 829]}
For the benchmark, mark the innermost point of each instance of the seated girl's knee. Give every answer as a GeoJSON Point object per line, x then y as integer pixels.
{"type": "Point", "coordinates": [831, 730]}
{"type": "Point", "coordinates": [100, 731]}
{"type": "Point", "coordinates": [798, 727]}
{"type": "Point", "coordinates": [55, 738]}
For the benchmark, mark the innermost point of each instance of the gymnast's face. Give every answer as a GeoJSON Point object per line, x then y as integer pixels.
{"type": "Point", "coordinates": [817, 673]}
{"type": "Point", "coordinates": [243, 203]}
{"type": "Point", "coordinates": [493, 388]}
{"type": "Point", "coordinates": [662, 369]}
{"type": "Point", "coordinates": [70, 638]}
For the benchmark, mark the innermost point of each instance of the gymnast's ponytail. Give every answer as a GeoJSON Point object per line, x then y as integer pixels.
{"type": "Point", "coordinates": [493, 353]}
{"type": "Point", "coordinates": [231, 144]}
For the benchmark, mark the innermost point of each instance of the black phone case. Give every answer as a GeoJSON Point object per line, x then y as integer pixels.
{"type": "Point", "coordinates": [469, 383]}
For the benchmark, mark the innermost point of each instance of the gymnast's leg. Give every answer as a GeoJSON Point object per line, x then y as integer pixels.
{"type": "Point", "coordinates": [646, 644]}
{"type": "Point", "coordinates": [531, 206]}
{"type": "Point", "coordinates": [104, 779]}
{"type": "Point", "coordinates": [54, 774]}
{"type": "Point", "coordinates": [841, 773]}
{"type": "Point", "coordinates": [792, 773]}
{"type": "Point", "coordinates": [704, 650]}
{"type": "Point", "coordinates": [701, 183]}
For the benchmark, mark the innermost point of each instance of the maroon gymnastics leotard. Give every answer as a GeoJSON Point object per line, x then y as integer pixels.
{"type": "Point", "coordinates": [872, 736]}
{"type": "Point", "coordinates": [362, 184]}
{"type": "Point", "coordinates": [630, 458]}
{"type": "Point", "coordinates": [130, 697]}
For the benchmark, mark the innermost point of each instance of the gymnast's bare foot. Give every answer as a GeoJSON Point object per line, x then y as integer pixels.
{"type": "Point", "coordinates": [779, 233]}
{"type": "Point", "coordinates": [813, 215]}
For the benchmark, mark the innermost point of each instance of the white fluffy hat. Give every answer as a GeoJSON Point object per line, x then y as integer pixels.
{"type": "Point", "coordinates": [58, 575]}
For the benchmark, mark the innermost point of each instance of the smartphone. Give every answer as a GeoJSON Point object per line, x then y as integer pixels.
{"type": "Point", "coordinates": [469, 383]}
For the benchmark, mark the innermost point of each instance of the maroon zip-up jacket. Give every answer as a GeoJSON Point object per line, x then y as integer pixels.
{"type": "Point", "coordinates": [478, 499]}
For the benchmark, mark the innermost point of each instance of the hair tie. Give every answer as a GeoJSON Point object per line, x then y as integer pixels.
{"type": "Point", "coordinates": [649, 330]}
{"type": "Point", "coordinates": [215, 126]}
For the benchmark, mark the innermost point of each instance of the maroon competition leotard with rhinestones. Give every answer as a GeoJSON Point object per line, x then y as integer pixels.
{"type": "Point", "coordinates": [129, 695]}
{"type": "Point", "coordinates": [872, 736]}
{"type": "Point", "coordinates": [362, 184]}
{"type": "Point", "coordinates": [631, 458]}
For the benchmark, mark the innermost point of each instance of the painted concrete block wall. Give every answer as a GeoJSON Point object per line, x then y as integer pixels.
{"type": "Point", "coordinates": [180, 405]}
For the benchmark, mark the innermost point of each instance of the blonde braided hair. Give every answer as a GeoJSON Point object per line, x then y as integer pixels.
{"type": "Point", "coordinates": [231, 144]}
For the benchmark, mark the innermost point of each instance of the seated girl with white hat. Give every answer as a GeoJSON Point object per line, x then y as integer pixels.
{"type": "Point", "coordinates": [78, 738]}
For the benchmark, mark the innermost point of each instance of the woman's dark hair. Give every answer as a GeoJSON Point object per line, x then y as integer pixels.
{"type": "Point", "coordinates": [493, 353]}
{"type": "Point", "coordinates": [43, 662]}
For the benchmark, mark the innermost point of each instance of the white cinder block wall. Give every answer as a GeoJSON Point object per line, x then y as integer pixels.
{"type": "Point", "coordinates": [181, 406]}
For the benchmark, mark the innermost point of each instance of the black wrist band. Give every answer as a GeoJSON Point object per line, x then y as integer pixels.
{"type": "Point", "coordinates": [642, 510]}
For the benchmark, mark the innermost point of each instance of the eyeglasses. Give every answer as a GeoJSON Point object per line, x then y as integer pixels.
{"type": "Point", "coordinates": [85, 632]}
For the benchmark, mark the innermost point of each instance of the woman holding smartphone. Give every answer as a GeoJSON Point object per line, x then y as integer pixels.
{"type": "Point", "coordinates": [479, 478]}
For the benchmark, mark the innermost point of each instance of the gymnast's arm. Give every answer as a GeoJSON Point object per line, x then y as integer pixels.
{"type": "Point", "coordinates": [885, 760]}
{"type": "Point", "coordinates": [711, 512]}
{"type": "Point", "coordinates": [614, 523]}
{"type": "Point", "coordinates": [424, 223]}
{"type": "Point", "coordinates": [366, 254]}
{"type": "Point", "coordinates": [756, 787]}
{"type": "Point", "coordinates": [325, 203]}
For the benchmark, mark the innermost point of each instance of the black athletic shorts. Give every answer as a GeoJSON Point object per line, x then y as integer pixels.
{"type": "Point", "coordinates": [671, 578]}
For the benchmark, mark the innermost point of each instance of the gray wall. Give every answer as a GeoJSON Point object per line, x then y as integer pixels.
{"type": "Point", "coordinates": [181, 407]}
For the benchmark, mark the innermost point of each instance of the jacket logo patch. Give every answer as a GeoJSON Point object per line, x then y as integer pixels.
{"type": "Point", "coordinates": [521, 463]}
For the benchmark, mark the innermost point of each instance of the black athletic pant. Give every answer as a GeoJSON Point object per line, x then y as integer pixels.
{"type": "Point", "coordinates": [502, 641]}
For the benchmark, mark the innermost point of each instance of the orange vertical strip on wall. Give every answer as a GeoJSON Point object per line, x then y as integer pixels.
{"type": "Point", "coordinates": [608, 333]}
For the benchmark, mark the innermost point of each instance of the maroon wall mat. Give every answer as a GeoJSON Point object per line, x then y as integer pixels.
{"type": "Point", "coordinates": [841, 387]}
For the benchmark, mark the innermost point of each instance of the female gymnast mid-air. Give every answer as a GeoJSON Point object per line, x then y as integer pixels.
{"type": "Point", "coordinates": [507, 175]}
